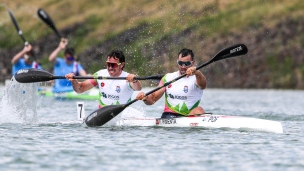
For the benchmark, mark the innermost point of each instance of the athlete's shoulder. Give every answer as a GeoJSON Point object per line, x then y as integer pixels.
{"type": "Point", "coordinates": [21, 60]}
{"type": "Point", "coordinates": [60, 59]}
{"type": "Point", "coordinates": [124, 74]}
{"type": "Point", "coordinates": [59, 62]}
{"type": "Point", "coordinates": [171, 75]}
{"type": "Point", "coordinates": [102, 72]}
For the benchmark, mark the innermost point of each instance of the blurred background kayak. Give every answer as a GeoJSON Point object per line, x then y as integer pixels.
{"type": "Point", "coordinates": [92, 94]}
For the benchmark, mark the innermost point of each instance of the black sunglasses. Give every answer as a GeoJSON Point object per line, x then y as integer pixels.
{"type": "Point", "coordinates": [113, 57]}
{"type": "Point", "coordinates": [181, 63]}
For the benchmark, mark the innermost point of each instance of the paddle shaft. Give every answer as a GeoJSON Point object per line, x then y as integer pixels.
{"type": "Point", "coordinates": [103, 78]}
{"type": "Point", "coordinates": [19, 31]}
{"type": "Point", "coordinates": [32, 75]}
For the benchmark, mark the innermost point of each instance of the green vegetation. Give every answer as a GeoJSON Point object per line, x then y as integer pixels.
{"type": "Point", "coordinates": [155, 21]}
{"type": "Point", "coordinates": [281, 71]}
{"type": "Point", "coordinates": [105, 19]}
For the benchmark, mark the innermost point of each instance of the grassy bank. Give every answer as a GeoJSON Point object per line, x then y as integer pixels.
{"type": "Point", "coordinates": [156, 29]}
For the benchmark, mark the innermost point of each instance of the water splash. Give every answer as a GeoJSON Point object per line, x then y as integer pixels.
{"type": "Point", "coordinates": [18, 103]}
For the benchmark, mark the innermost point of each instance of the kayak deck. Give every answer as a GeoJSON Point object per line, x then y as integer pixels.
{"type": "Point", "coordinates": [208, 121]}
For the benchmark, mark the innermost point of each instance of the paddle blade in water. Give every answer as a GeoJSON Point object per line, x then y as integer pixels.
{"type": "Point", "coordinates": [101, 116]}
{"type": "Point", "coordinates": [32, 75]}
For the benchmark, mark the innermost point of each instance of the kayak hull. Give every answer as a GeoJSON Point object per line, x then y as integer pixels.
{"type": "Point", "coordinates": [208, 121]}
{"type": "Point", "coordinates": [133, 117]}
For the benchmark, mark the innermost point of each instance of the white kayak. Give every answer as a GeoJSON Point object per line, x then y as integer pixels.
{"type": "Point", "coordinates": [134, 117]}
{"type": "Point", "coordinates": [208, 121]}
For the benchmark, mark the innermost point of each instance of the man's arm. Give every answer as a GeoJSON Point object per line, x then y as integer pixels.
{"type": "Point", "coordinates": [152, 98]}
{"type": "Point", "coordinates": [79, 87]}
{"type": "Point", "coordinates": [135, 84]}
{"type": "Point", "coordinates": [26, 49]}
{"type": "Point", "coordinates": [201, 81]}
{"type": "Point", "coordinates": [83, 72]}
{"type": "Point", "coordinates": [54, 54]}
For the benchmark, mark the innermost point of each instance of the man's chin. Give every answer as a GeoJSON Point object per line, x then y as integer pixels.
{"type": "Point", "coordinates": [182, 72]}
{"type": "Point", "coordinates": [111, 72]}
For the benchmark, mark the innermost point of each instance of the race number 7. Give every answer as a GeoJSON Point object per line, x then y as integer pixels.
{"type": "Point", "coordinates": [80, 111]}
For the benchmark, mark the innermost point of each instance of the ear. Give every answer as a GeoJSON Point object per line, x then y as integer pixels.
{"type": "Point", "coordinates": [122, 65]}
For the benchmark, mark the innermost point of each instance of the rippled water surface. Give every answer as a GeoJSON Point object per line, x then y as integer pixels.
{"type": "Point", "coordinates": [54, 140]}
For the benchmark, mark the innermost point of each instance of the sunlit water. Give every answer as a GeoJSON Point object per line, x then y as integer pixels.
{"type": "Point", "coordinates": [54, 140]}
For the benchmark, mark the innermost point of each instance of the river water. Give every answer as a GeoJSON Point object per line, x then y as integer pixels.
{"type": "Point", "coordinates": [54, 140]}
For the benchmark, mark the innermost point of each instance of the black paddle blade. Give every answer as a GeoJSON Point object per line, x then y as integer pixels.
{"type": "Point", "coordinates": [32, 75]}
{"type": "Point", "coordinates": [229, 52]}
{"type": "Point", "coordinates": [232, 51]}
{"type": "Point", "coordinates": [47, 19]}
{"type": "Point", "coordinates": [101, 116]}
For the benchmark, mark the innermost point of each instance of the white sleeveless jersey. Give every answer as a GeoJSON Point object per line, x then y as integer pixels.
{"type": "Point", "coordinates": [113, 92]}
{"type": "Point", "coordinates": [182, 95]}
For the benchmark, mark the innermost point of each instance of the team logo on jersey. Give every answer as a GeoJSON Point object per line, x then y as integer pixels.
{"type": "Point", "coordinates": [177, 97]}
{"type": "Point", "coordinates": [186, 89]}
{"type": "Point", "coordinates": [170, 85]}
{"type": "Point", "coordinates": [171, 96]}
{"type": "Point", "coordinates": [102, 84]}
{"type": "Point", "coordinates": [117, 89]}
{"type": "Point", "coordinates": [104, 95]}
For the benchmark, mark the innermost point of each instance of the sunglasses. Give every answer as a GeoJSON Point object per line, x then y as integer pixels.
{"type": "Point", "coordinates": [70, 58]}
{"type": "Point", "coordinates": [181, 63]}
{"type": "Point", "coordinates": [112, 57]}
{"type": "Point", "coordinates": [113, 65]}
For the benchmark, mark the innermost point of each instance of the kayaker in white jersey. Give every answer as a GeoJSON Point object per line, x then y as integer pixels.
{"type": "Point", "coordinates": [111, 92]}
{"type": "Point", "coordinates": [182, 97]}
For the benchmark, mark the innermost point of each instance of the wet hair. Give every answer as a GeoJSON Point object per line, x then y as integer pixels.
{"type": "Point", "coordinates": [70, 51]}
{"type": "Point", "coordinates": [185, 52]}
{"type": "Point", "coordinates": [115, 53]}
